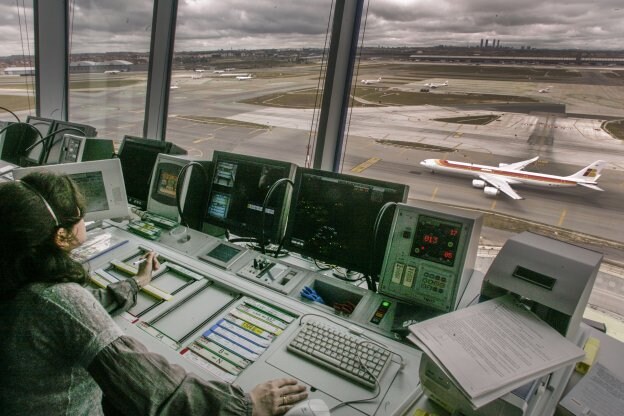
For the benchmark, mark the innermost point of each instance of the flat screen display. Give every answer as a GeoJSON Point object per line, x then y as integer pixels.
{"type": "Point", "coordinates": [239, 186]}
{"type": "Point", "coordinates": [332, 217]}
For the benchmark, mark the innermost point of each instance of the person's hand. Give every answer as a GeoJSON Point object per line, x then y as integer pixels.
{"type": "Point", "coordinates": [276, 397]}
{"type": "Point", "coordinates": [144, 275]}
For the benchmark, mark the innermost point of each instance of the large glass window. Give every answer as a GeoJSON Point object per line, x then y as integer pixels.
{"type": "Point", "coordinates": [247, 77]}
{"type": "Point", "coordinates": [488, 83]}
{"type": "Point", "coordinates": [109, 45]}
{"type": "Point", "coordinates": [17, 60]}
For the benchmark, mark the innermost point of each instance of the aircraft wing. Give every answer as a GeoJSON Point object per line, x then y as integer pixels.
{"type": "Point", "coordinates": [519, 165]}
{"type": "Point", "coordinates": [591, 186]}
{"type": "Point", "coordinates": [500, 184]}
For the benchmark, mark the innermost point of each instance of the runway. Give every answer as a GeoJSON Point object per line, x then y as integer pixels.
{"type": "Point", "coordinates": [399, 135]}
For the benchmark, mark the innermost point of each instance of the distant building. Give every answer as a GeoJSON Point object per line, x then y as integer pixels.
{"type": "Point", "coordinates": [91, 66]}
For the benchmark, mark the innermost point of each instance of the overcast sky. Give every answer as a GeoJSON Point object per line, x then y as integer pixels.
{"type": "Point", "coordinates": [124, 25]}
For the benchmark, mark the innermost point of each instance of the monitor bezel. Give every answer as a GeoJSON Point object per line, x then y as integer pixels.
{"type": "Point", "coordinates": [279, 229]}
{"type": "Point", "coordinates": [111, 176]}
{"type": "Point", "coordinates": [362, 266]}
{"type": "Point", "coordinates": [151, 144]}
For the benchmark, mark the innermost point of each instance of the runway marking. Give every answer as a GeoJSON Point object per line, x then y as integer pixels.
{"type": "Point", "coordinates": [493, 206]}
{"type": "Point", "coordinates": [562, 217]}
{"type": "Point", "coordinates": [365, 165]}
{"type": "Point", "coordinates": [203, 139]}
{"type": "Point", "coordinates": [435, 192]}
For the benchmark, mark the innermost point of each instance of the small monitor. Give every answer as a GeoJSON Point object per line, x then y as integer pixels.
{"type": "Point", "coordinates": [58, 131]}
{"type": "Point", "coordinates": [239, 186]}
{"type": "Point", "coordinates": [165, 186]}
{"type": "Point", "coordinates": [332, 218]}
{"type": "Point", "coordinates": [36, 155]}
{"type": "Point", "coordinates": [138, 156]}
{"type": "Point", "coordinates": [100, 181]}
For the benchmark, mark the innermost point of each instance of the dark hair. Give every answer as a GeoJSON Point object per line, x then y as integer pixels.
{"type": "Point", "coordinates": [28, 252]}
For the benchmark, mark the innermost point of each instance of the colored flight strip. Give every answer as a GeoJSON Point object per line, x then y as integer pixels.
{"type": "Point", "coordinates": [238, 339]}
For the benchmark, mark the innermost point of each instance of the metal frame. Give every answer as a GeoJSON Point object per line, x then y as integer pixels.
{"type": "Point", "coordinates": [52, 53]}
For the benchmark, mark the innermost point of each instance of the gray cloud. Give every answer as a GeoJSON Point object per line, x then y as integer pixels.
{"type": "Point", "coordinates": [122, 25]}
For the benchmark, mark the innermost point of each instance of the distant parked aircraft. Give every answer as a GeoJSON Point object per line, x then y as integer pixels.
{"type": "Point", "coordinates": [244, 77]}
{"type": "Point", "coordinates": [371, 81]}
{"type": "Point", "coordinates": [545, 90]}
{"type": "Point", "coordinates": [494, 180]}
{"type": "Point", "coordinates": [200, 70]}
{"type": "Point", "coordinates": [112, 71]}
{"type": "Point", "coordinates": [436, 85]}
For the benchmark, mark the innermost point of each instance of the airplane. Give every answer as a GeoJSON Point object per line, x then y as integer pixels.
{"type": "Point", "coordinates": [200, 70]}
{"type": "Point", "coordinates": [494, 180]}
{"type": "Point", "coordinates": [371, 81]}
{"type": "Point", "coordinates": [112, 71]}
{"type": "Point", "coordinates": [436, 85]}
{"type": "Point", "coordinates": [244, 77]}
{"type": "Point", "coordinates": [218, 71]}
{"type": "Point", "coordinates": [544, 90]}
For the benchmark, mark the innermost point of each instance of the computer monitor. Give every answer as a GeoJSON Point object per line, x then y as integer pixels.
{"type": "Point", "coordinates": [14, 138]}
{"type": "Point", "coordinates": [239, 186]}
{"type": "Point", "coordinates": [165, 185]}
{"type": "Point", "coordinates": [83, 149]}
{"type": "Point", "coordinates": [56, 141]}
{"type": "Point", "coordinates": [36, 155]}
{"type": "Point", "coordinates": [332, 217]}
{"type": "Point", "coordinates": [100, 181]}
{"type": "Point", "coordinates": [138, 156]}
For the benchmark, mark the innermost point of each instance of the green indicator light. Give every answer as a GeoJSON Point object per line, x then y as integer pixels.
{"type": "Point", "coordinates": [385, 303]}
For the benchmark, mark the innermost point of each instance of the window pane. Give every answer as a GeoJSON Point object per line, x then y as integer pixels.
{"type": "Point", "coordinates": [17, 63]}
{"type": "Point", "coordinates": [246, 77]}
{"type": "Point", "coordinates": [109, 55]}
{"type": "Point", "coordinates": [494, 83]}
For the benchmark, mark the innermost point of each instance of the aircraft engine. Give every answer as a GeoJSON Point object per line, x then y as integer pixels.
{"type": "Point", "coordinates": [491, 191]}
{"type": "Point", "coordinates": [478, 183]}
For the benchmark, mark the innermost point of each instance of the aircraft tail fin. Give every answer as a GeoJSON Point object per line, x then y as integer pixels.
{"type": "Point", "coordinates": [590, 173]}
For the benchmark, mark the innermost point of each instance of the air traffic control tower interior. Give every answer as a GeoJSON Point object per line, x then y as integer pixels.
{"type": "Point", "coordinates": [273, 267]}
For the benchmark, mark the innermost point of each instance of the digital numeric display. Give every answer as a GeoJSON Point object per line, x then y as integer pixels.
{"type": "Point", "coordinates": [436, 240]}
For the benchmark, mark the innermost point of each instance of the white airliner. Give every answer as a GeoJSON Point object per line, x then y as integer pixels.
{"type": "Point", "coordinates": [371, 81]}
{"type": "Point", "coordinates": [436, 85]}
{"type": "Point", "coordinates": [244, 77]}
{"type": "Point", "coordinates": [544, 90]}
{"type": "Point", "coordinates": [112, 71]}
{"type": "Point", "coordinates": [494, 180]}
{"type": "Point", "coordinates": [200, 70]}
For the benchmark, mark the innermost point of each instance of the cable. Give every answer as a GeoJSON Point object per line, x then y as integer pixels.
{"type": "Point", "coordinates": [357, 71]}
{"type": "Point", "coordinates": [9, 111]}
{"type": "Point", "coordinates": [52, 135]}
{"type": "Point", "coordinates": [366, 339]}
{"type": "Point", "coordinates": [180, 180]}
{"type": "Point", "coordinates": [19, 17]}
{"type": "Point", "coordinates": [318, 89]}
{"type": "Point", "coordinates": [371, 265]}
{"type": "Point", "coordinates": [264, 205]}
{"type": "Point", "coordinates": [23, 124]}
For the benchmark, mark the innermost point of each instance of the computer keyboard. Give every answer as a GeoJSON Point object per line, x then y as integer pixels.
{"type": "Point", "coordinates": [338, 351]}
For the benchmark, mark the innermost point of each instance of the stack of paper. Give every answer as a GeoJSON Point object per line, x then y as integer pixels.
{"type": "Point", "coordinates": [493, 347]}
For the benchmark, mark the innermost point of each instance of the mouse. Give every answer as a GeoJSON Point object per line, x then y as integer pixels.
{"type": "Point", "coordinates": [312, 407]}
